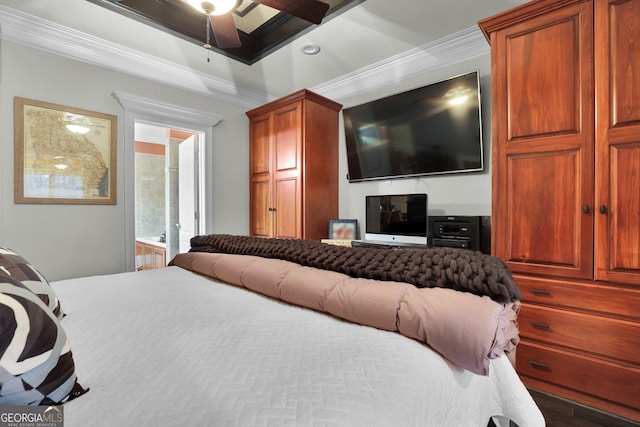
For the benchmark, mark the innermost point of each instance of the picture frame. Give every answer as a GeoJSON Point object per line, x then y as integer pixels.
{"type": "Point", "coordinates": [63, 155]}
{"type": "Point", "coordinates": [344, 229]}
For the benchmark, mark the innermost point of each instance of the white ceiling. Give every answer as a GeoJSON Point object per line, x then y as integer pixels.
{"type": "Point", "coordinates": [363, 38]}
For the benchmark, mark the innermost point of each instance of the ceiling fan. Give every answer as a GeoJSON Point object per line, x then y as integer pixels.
{"type": "Point", "coordinates": [220, 20]}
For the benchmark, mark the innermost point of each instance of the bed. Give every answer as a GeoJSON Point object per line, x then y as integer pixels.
{"type": "Point", "coordinates": [214, 339]}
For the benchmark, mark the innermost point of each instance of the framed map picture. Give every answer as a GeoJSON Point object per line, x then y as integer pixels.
{"type": "Point", "coordinates": [63, 155]}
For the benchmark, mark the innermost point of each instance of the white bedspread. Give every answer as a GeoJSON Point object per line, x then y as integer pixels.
{"type": "Point", "coordinates": [170, 348]}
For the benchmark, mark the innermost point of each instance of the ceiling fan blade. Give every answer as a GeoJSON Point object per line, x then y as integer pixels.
{"type": "Point", "coordinates": [225, 31]}
{"type": "Point", "coordinates": [309, 10]}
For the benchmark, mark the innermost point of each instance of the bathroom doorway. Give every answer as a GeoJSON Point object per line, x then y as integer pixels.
{"type": "Point", "coordinates": [138, 109]}
{"type": "Point", "coordinates": [168, 196]}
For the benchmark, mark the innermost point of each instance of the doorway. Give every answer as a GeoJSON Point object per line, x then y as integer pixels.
{"type": "Point", "coordinates": [168, 200]}
{"type": "Point", "coordinates": [140, 109]}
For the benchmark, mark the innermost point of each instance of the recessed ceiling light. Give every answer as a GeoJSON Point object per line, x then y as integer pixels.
{"type": "Point", "coordinates": [310, 49]}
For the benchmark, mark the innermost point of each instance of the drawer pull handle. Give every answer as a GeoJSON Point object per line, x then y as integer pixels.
{"type": "Point", "coordinates": [539, 325]}
{"type": "Point", "coordinates": [537, 364]}
{"type": "Point", "coordinates": [540, 292]}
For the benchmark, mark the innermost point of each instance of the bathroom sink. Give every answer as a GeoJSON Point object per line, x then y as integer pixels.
{"type": "Point", "coordinates": [155, 240]}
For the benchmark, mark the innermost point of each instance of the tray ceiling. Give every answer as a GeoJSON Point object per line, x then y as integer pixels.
{"type": "Point", "coordinates": [262, 29]}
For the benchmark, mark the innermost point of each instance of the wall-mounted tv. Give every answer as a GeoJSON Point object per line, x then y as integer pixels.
{"type": "Point", "coordinates": [435, 129]}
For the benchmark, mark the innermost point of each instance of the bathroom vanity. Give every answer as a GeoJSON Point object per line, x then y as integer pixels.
{"type": "Point", "coordinates": [150, 253]}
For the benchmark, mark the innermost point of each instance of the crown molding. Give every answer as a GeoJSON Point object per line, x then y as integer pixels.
{"type": "Point", "coordinates": [457, 47]}
{"type": "Point", "coordinates": [166, 113]}
{"type": "Point", "coordinates": [28, 30]}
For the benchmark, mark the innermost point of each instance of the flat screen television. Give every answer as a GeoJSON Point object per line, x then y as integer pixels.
{"type": "Point", "coordinates": [435, 129]}
{"type": "Point", "coordinates": [397, 218]}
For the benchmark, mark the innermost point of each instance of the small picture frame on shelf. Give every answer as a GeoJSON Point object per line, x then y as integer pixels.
{"type": "Point", "coordinates": [344, 229]}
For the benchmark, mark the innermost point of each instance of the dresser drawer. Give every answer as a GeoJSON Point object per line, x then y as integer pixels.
{"type": "Point", "coordinates": [616, 338]}
{"type": "Point", "coordinates": [605, 298]}
{"type": "Point", "coordinates": [583, 374]}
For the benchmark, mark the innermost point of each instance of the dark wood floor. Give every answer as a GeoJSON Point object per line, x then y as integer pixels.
{"type": "Point", "coordinates": [563, 413]}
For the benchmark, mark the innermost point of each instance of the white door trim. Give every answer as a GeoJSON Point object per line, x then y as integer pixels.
{"type": "Point", "coordinates": [137, 108]}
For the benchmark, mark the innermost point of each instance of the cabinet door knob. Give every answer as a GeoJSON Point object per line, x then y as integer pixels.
{"type": "Point", "coordinates": [585, 209]}
{"type": "Point", "coordinates": [603, 209]}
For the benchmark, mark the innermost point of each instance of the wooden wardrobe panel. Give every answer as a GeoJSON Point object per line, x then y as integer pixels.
{"type": "Point", "coordinates": [543, 142]}
{"type": "Point", "coordinates": [288, 207]}
{"type": "Point", "coordinates": [544, 221]}
{"type": "Point", "coordinates": [287, 137]}
{"type": "Point", "coordinates": [542, 57]}
{"type": "Point", "coordinates": [260, 133]}
{"type": "Point", "coordinates": [617, 227]}
{"type": "Point", "coordinates": [624, 209]}
{"type": "Point", "coordinates": [625, 62]}
{"type": "Point", "coordinates": [261, 217]}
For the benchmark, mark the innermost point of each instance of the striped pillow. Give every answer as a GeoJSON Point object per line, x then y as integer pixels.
{"type": "Point", "coordinates": [12, 264]}
{"type": "Point", "coordinates": [36, 364]}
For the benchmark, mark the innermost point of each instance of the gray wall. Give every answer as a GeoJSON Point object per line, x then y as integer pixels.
{"type": "Point", "coordinates": [80, 240]}
{"type": "Point", "coordinates": [65, 241]}
{"type": "Point", "coordinates": [459, 194]}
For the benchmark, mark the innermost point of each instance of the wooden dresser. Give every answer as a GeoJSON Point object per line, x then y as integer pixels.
{"type": "Point", "coordinates": [566, 192]}
{"type": "Point", "coordinates": [294, 166]}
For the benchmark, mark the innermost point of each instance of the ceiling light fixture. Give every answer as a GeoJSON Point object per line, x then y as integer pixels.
{"type": "Point", "coordinates": [217, 8]}
{"type": "Point", "coordinates": [214, 7]}
{"type": "Point", "coordinates": [221, 21]}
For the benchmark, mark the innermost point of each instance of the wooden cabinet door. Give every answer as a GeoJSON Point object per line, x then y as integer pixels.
{"type": "Point", "coordinates": [543, 117]}
{"type": "Point", "coordinates": [618, 141]}
{"type": "Point", "coordinates": [148, 257]}
{"type": "Point", "coordinates": [287, 212]}
{"type": "Point", "coordinates": [287, 170]}
{"type": "Point", "coordinates": [139, 256]}
{"type": "Point", "coordinates": [261, 219]}
{"type": "Point", "coordinates": [260, 208]}
{"type": "Point", "coordinates": [159, 257]}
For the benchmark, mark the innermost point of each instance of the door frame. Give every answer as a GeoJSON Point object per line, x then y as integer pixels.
{"type": "Point", "coordinates": [137, 108]}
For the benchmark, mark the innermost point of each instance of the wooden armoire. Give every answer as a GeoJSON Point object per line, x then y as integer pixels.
{"type": "Point", "coordinates": [566, 192]}
{"type": "Point", "coordinates": [293, 165]}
